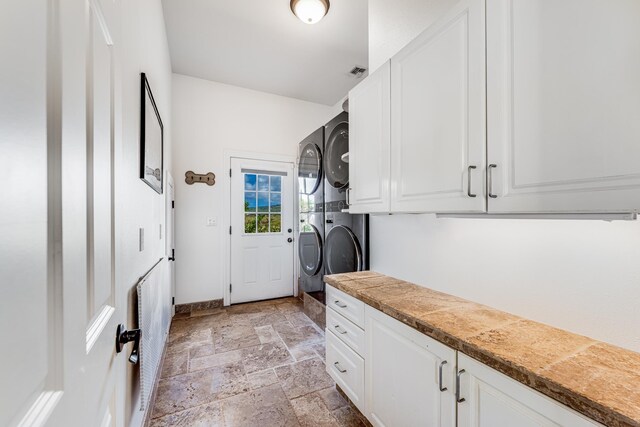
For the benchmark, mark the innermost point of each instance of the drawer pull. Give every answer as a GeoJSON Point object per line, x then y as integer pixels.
{"type": "Point", "coordinates": [337, 365]}
{"type": "Point", "coordinates": [340, 330]}
{"type": "Point", "coordinates": [444, 362]}
{"type": "Point", "coordinates": [458, 398]}
{"type": "Point", "coordinates": [340, 304]}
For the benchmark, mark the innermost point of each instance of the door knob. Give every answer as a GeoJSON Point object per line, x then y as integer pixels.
{"type": "Point", "coordinates": [289, 230]}
{"type": "Point", "coordinates": [123, 336]}
{"type": "Point", "coordinates": [289, 240]}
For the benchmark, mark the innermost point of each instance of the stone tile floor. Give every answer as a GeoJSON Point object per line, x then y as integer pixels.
{"type": "Point", "coordinates": [257, 364]}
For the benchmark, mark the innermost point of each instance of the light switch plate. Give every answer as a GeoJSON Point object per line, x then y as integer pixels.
{"type": "Point", "coordinates": [212, 222]}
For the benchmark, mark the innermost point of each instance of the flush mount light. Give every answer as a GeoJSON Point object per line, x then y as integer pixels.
{"type": "Point", "coordinates": [310, 11]}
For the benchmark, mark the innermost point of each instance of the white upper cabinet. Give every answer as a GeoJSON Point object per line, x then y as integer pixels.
{"type": "Point", "coordinates": [438, 116]}
{"type": "Point", "coordinates": [563, 85]}
{"type": "Point", "coordinates": [369, 143]}
{"type": "Point", "coordinates": [491, 399]}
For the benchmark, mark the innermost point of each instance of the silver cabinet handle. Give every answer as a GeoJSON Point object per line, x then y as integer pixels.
{"type": "Point", "coordinates": [444, 362]}
{"type": "Point", "coordinates": [339, 329]}
{"type": "Point", "coordinates": [340, 304]}
{"type": "Point", "coordinates": [469, 169]}
{"type": "Point", "coordinates": [348, 195]}
{"type": "Point", "coordinates": [458, 398]}
{"type": "Point", "coordinates": [490, 183]}
{"type": "Point", "coordinates": [337, 365]}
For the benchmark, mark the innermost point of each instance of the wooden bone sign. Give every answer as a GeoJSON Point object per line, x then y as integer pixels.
{"type": "Point", "coordinates": [191, 177]}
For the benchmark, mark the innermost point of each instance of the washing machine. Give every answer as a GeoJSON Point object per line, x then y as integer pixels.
{"type": "Point", "coordinates": [336, 170]}
{"type": "Point", "coordinates": [346, 245]}
{"type": "Point", "coordinates": [311, 212]}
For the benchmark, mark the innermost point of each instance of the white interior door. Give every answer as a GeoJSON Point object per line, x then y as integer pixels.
{"type": "Point", "coordinates": [170, 234]}
{"type": "Point", "coordinates": [261, 230]}
{"type": "Point", "coordinates": [59, 299]}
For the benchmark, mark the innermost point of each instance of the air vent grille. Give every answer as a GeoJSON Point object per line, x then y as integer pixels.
{"type": "Point", "coordinates": [358, 71]}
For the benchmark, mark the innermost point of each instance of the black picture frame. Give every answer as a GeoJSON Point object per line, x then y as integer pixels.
{"type": "Point", "coordinates": [151, 139]}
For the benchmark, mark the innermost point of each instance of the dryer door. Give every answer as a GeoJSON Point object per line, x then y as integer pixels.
{"type": "Point", "coordinates": [310, 169]}
{"type": "Point", "coordinates": [335, 168]}
{"type": "Point", "coordinates": [310, 251]}
{"type": "Point", "coordinates": [343, 253]}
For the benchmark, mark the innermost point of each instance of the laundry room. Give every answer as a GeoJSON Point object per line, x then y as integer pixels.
{"type": "Point", "coordinates": [345, 213]}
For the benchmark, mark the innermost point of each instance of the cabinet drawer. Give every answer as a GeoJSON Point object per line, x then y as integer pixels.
{"type": "Point", "coordinates": [346, 368]}
{"type": "Point", "coordinates": [348, 332]}
{"type": "Point", "coordinates": [346, 305]}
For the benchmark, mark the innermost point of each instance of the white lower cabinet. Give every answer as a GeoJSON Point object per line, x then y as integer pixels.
{"type": "Point", "coordinates": [346, 368]}
{"type": "Point", "coordinates": [403, 385]}
{"type": "Point", "coordinates": [399, 377]}
{"type": "Point", "coordinates": [492, 399]}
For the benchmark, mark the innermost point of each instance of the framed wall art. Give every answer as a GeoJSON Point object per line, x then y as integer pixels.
{"type": "Point", "coordinates": [151, 138]}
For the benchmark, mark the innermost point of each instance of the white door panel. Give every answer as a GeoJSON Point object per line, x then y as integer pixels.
{"type": "Point", "coordinates": [438, 116]}
{"type": "Point", "coordinates": [492, 399]}
{"type": "Point", "coordinates": [261, 224]}
{"type": "Point", "coordinates": [402, 387]}
{"type": "Point", "coordinates": [57, 247]}
{"type": "Point", "coordinates": [370, 143]}
{"type": "Point", "coordinates": [563, 83]}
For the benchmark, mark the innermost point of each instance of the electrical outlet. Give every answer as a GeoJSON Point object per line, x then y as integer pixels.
{"type": "Point", "coordinates": [141, 236]}
{"type": "Point", "coordinates": [212, 222]}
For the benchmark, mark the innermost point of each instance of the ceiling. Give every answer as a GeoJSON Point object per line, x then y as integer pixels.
{"type": "Point", "coordinates": [261, 45]}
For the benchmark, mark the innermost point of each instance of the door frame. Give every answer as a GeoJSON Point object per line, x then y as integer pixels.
{"type": "Point", "coordinates": [226, 213]}
{"type": "Point", "coordinates": [170, 211]}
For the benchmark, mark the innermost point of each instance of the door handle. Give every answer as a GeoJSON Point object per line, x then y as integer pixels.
{"type": "Point", "coordinates": [469, 169]}
{"type": "Point", "coordinates": [339, 368]}
{"type": "Point", "coordinates": [340, 330]}
{"type": "Point", "coordinates": [173, 255]}
{"type": "Point", "coordinates": [490, 183]}
{"type": "Point", "coordinates": [444, 362]}
{"type": "Point", "coordinates": [123, 336]}
{"type": "Point", "coordinates": [289, 240]}
{"type": "Point", "coordinates": [458, 398]}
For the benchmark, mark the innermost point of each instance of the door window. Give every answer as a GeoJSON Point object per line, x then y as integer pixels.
{"type": "Point", "coordinates": [262, 203]}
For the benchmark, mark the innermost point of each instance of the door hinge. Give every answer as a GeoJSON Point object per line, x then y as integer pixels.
{"type": "Point", "coordinates": [230, 288]}
{"type": "Point", "coordinates": [173, 204]}
{"type": "Point", "coordinates": [173, 300]}
{"type": "Point", "coordinates": [230, 229]}
{"type": "Point", "coordinates": [230, 172]}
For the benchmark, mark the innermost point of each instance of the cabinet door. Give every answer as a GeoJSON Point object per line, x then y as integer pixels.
{"type": "Point", "coordinates": [369, 143]}
{"type": "Point", "coordinates": [402, 387]}
{"type": "Point", "coordinates": [492, 399]}
{"type": "Point", "coordinates": [563, 88]}
{"type": "Point", "coordinates": [438, 116]}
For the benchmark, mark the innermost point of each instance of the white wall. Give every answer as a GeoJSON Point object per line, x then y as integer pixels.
{"type": "Point", "coordinates": [392, 24]}
{"type": "Point", "coordinates": [209, 118]}
{"type": "Point", "coordinates": [583, 276]}
{"type": "Point", "coordinates": [143, 48]}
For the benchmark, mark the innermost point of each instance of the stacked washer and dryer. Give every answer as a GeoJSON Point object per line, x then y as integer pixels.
{"type": "Point", "coordinates": [331, 240]}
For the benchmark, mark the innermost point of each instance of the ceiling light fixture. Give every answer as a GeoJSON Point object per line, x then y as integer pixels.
{"type": "Point", "coordinates": [310, 11]}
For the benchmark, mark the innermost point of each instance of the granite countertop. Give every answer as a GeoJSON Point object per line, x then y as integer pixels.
{"type": "Point", "coordinates": [598, 380]}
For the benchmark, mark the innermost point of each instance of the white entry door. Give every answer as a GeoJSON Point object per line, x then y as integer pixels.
{"type": "Point", "coordinates": [58, 296]}
{"type": "Point", "coordinates": [261, 230]}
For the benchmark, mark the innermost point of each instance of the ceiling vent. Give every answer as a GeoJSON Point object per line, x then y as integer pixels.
{"type": "Point", "coordinates": [358, 71]}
